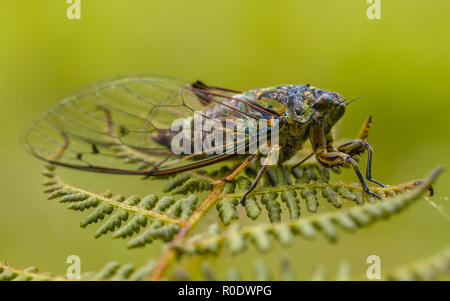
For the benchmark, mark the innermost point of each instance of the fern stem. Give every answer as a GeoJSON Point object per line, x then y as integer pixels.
{"type": "Point", "coordinates": [34, 274]}
{"type": "Point", "coordinates": [135, 209]}
{"type": "Point", "coordinates": [282, 188]}
{"type": "Point", "coordinates": [187, 226]}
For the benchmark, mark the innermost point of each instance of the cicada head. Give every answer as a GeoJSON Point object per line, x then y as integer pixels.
{"type": "Point", "coordinates": [327, 105]}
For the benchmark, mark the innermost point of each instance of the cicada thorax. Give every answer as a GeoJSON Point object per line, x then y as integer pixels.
{"type": "Point", "coordinates": [299, 106]}
{"type": "Point", "coordinates": [292, 135]}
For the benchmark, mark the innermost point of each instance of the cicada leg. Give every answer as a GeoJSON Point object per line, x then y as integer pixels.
{"type": "Point", "coordinates": [270, 160]}
{"type": "Point", "coordinates": [360, 145]}
{"type": "Point", "coordinates": [255, 182]}
{"type": "Point", "coordinates": [333, 159]}
{"type": "Point", "coordinates": [242, 167]}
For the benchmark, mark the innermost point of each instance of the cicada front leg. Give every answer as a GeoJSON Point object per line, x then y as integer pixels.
{"type": "Point", "coordinates": [360, 145]}
{"type": "Point", "coordinates": [356, 147]}
{"type": "Point", "coordinates": [334, 159]}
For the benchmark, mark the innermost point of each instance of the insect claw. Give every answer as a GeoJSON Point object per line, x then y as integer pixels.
{"type": "Point", "coordinates": [242, 201]}
{"type": "Point", "coordinates": [378, 183]}
{"type": "Point", "coordinates": [373, 194]}
{"type": "Point", "coordinates": [430, 190]}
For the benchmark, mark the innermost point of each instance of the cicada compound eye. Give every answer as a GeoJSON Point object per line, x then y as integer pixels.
{"type": "Point", "coordinates": [323, 103]}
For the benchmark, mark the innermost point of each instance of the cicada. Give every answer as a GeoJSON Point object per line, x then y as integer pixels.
{"type": "Point", "coordinates": [126, 126]}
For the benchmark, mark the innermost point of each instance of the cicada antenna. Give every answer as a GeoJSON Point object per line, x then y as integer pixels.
{"type": "Point", "coordinates": [352, 100]}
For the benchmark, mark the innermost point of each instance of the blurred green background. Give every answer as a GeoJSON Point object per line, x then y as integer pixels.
{"type": "Point", "coordinates": [399, 64]}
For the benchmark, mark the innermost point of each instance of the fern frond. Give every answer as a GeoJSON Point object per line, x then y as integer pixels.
{"type": "Point", "coordinates": [187, 184]}
{"type": "Point", "coordinates": [306, 184]}
{"type": "Point", "coordinates": [261, 272]}
{"type": "Point", "coordinates": [282, 191]}
{"type": "Point", "coordinates": [156, 217]}
{"type": "Point", "coordinates": [426, 269]}
{"type": "Point", "coordinates": [430, 268]}
{"type": "Point", "coordinates": [235, 239]}
{"type": "Point", "coordinates": [111, 271]}
{"type": "Point", "coordinates": [8, 273]}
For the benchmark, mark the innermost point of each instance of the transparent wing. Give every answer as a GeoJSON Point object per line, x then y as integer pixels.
{"type": "Point", "coordinates": [124, 125]}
